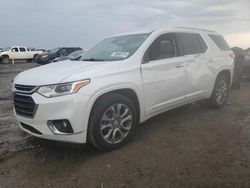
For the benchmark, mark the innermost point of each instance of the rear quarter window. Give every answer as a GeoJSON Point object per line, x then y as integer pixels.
{"type": "Point", "coordinates": [220, 42]}
{"type": "Point", "coordinates": [190, 43]}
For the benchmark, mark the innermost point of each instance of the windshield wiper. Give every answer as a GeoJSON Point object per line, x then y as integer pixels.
{"type": "Point", "coordinates": [92, 59]}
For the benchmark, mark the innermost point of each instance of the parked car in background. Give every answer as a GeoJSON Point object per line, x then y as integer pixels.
{"type": "Point", "coordinates": [122, 81]}
{"type": "Point", "coordinates": [1, 49]}
{"type": "Point", "coordinates": [239, 58]}
{"type": "Point", "coordinates": [48, 57]}
{"type": "Point", "coordinates": [44, 50]}
{"type": "Point", "coordinates": [34, 49]}
{"type": "Point", "coordinates": [72, 56]}
{"type": "Point", "coordinates": [18, 53]}
{"type": "Point", "coordinates": [246, 66]}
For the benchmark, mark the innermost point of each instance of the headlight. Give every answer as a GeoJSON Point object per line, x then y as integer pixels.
{"type": "Point", "coordinates": [62, 89]}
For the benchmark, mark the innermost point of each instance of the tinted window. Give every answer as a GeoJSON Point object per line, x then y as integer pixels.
{"type": "Point", "coordinates": [53, 51]}
{"type": "Point", "coordinates": [70, 50]}
{"type": "Point", "coordinates": [14, 49]}
{"type": "Point", "coordinates": [76, 54]}
{"type": "Point", "coordinates": [220, 42]}
{"type": "Point", "coordinates": [191, 43]}
{"type": "Point", "coordinates": [22, 49]}
{"type": "Point", "coordinates": [162, 48]}
{"type": "Point", "coordinates": [63, 52]}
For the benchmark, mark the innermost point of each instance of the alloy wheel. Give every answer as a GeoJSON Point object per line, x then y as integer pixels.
{"type": "Point", "coordinates": [116, 123]}
{"type": "Point", "coordinates": [221, 92]}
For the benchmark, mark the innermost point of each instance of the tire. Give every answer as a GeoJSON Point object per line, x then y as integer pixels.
{"type": "Point", "coordinates": [34, 57]}
{"type": "Point", "coordinates": [106, 130]}
{"type": "Point", "coordinates": [220, 91]}
{"type": "Point", "coordinates": [6, 60]}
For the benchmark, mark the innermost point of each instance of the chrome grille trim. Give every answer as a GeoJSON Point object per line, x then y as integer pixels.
{"type": "Point", "coordinates": [24, 105]}
{"type": "Point", "coordinates": [25, 89]}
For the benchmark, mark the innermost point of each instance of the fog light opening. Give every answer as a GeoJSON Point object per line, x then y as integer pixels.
{"type": "Point", "coordinates": [60, 126]}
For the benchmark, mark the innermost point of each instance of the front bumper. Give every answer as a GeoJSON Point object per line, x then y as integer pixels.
{"type": "Point", "coordinates": [71, 107]}
{"type": "Point", "coordinates": [42, 61]}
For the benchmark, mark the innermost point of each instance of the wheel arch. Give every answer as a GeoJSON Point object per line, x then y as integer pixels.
{"type": "Point", "coordinates": [127, 92]}
{"type": "Point", "coordinates": [34, 56]}
{"type": "Point", "coordinates": [212, 100]}
{"type": "Point", "coordinates": [5, 55]}
{"type": "Point", "coordinates": [227, 73]}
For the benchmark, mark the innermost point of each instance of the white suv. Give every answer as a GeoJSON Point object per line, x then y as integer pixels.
{"type": "Point", "coordinates": [122, 81]}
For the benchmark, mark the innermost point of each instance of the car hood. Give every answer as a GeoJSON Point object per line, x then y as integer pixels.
{"type": "Point", "coordinates": [58, 72]}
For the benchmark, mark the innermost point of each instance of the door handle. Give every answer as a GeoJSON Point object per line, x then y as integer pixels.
{"type": "Point", "coordinates": [211, 60]}
{"type": "Point", "coordinates": [179, 65]}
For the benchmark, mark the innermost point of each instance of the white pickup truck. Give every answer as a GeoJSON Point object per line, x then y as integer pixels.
{"type": "Point", "coordinates": [18, 53]}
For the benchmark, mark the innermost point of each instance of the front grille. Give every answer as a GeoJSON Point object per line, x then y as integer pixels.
{"type": "Point", "coordinates": [24, 105]}
{"type": "Point", "coordinates": [30, 128]}
{"type": "Point", "coordinates": [24, 88]}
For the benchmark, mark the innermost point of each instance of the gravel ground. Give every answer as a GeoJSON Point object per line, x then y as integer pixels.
{"type": "Point", "coordinates": [192, 146]}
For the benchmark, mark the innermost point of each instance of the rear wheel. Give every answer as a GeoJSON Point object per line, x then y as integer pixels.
{"type": "Point", "coordinates": [220, 92]}
{"type": "Point", "coordinates": [112, 123]}
{"type": "Point", "coordinates": [6, 60]}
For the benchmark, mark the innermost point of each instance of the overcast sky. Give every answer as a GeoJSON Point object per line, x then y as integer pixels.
{"type": "Point", "coordinates": [53, 23]}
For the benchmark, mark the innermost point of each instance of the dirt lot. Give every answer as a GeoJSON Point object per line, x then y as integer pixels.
{"type": "Point", "coordinates": [193, 146]}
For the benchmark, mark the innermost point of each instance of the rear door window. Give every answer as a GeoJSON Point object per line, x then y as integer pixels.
{"type": "Point", "coordinates": [22, 49]}
{"type": "Point", "coordinates": [220, 42]}
{"type": "Point", "coordinates": [191, 43]}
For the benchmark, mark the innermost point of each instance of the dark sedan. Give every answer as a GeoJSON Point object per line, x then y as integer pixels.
{"type": "Point", "coordinates": [246, 66]}
{"type": "Point", "coordinates": [48, 57]}
{"type": "Point", "coordinates": [73, 56]}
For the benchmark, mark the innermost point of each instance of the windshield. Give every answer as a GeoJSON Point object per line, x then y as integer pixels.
{"type": "Point", "coordinates": [5, 49]}
{"type": "Point", "coordinates": [76, 53]}
{"type": "Point", "coordinates": [115, 48]}
{"type": "Point", "coordinates": [53, 51]}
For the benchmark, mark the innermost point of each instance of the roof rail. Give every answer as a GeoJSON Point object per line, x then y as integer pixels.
{"type": "Point", "coordinates": [197, 29]}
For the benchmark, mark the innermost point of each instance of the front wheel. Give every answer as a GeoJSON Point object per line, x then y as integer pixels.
{"type": "Point", "coordinates": [112, 122]}
{"type": "Point", "coordinates": [6, 60]}
{"type": "Point", "coordinates": [220, 91]}
{"type": "Point", "coordinates": [34, 57]}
